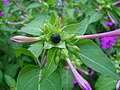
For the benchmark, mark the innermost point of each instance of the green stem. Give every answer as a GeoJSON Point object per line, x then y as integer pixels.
{"type": "Point", "coordinates": [38, 61]}
{"type": "Point", "coordinates": [109, 53]}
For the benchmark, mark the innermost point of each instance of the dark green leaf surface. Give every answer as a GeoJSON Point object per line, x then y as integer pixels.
{"type": "Point", "coordinates": [67, 79]}
{"type": "Point", "coordinates": [93, 57]}
{"type": "Point", "coordinates": [36, 49]}
{"type": "Point", "coordinates": [95, 17]}
{"type": "Point", "coordinates": [34, 27]}
{"type": "Point", "coordinates": [10, 81]}
{"type": "Point", "coordinates": [105, 83]}
{"type": "Point", "coordinates": [20, 51]}
{"type": "Point", "coordinates": [29, 80]}
{"type": "Point", "coordinates": [78, 28]}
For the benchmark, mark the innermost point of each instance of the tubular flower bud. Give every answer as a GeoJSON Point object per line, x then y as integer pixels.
{"type": "Point", "coordinates": [24, 39]}
{"type": "Point", "coordinates": [80, 80]}
{"type": "Point", "coordinates": [100, 35]}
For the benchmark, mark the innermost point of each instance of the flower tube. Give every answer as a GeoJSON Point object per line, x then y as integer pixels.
{"type": "Point", "coordinates": [81, 81]}
{"type": "Point", "coordinates": [100, 35]}
{"type": "Point", "coordinates": [24, 39]}
{"type": "Point", "coordinates": [118, 85]}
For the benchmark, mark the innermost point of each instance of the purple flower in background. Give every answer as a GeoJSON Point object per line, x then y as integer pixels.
{"type": "Point", "coordinates": [1, 14]}
{"type": "Point", "coordinates": [5, 2]}
{"type": "Point", "coordinates": [74, 82]}
{"type": "Point", "coordinates": [117, 3]}
{"type": "Point", "coordinates": [118, 85]}
{"type": "Point", "coordinates": [109, 23]}
{"type": "Point", "coordinates": [80, 80]}
{"type": "Point", "coordinates": [107, 42]}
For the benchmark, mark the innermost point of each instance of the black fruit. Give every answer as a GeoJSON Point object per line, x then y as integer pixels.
{"type": "Point", "coordinates": [55, 38]}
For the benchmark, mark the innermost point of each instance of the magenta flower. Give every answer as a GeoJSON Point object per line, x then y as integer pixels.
{"type": "Point", "coordinates": [1, 14]}
{"type": "Point", "coordinates": [117, 3]}
{"type": "Point", "coordinates": [74, 82]}
{"type": "Point", "coordinates": [108, 23]}
{"type": "Point", "coordinates": [107, 42]}
{"type": "Point", "coordinates": [118, 85]}
{"type": "Point", "coordinates": [5, 2]}
{"type": "Point", "coordinates": [24, 39]}
{"type": "Point", "coordinates": [80, 80]}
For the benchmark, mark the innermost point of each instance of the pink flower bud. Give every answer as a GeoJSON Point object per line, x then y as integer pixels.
{"type": "Point", "coordinates": [24, 39]}
{"type": "Point", "coordinates": [106, 34]}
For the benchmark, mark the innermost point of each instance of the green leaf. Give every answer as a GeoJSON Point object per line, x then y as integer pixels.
{"type": "Point", "coordinates": [95, 17]}
{"type": "Point", "coordinates": [36, 49]}
{"type": "Point", "coordinates": [10, 81]}
{"type": "Point", "coordinates": [1, 76]}
{"type": "Point", "coordinates": [33, 5]}
{"type": "Point", "coordinates": [78, 28]}
{"type": "Point", "coordinates": [20, 51]}
{"type": "Point", "coordinates": [11, 69]}
{"type": "Point", "coordinates": [99, 1]}
{"type": "Point", "coordinates": [34, 27]}
{"type": "Point", "coordinates": [105, 83]}
{"type": "Point", "coordinates": [67, 79]}
{"type": "Point", "coordinates": [93, 57]}
{"type": "Point", "coordinates": [51, 2]}
{"type": "Point", "coordinates": [29, 78]}
{"type": "Point", "coordinates": [53, 82]}
{"type": "Point", "coordinates": [50, 64]}
{"type": "Point", "coordinates": [52, 18]}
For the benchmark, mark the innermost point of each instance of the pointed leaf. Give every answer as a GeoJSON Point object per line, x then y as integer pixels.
{"type": "Point", "coordinates": [10, 81]}
{"type": "Point", "coordinates": [51, 66]}
{"type": "Point", "coordinates": [95, 16]}
{"type": "Point", "coordinates": [34, 27]}
{"type": "Point", "coordinates": [93, 57]}
{"type": "Point", "coordinates": [36, 49]}
{"type": "Point", "coordinates": [29, 77]}
{"type": "Point", "coordinates": [20, 51]}
{"type": "Point", "coordinates": [78, 28]}
{"type": "Point", "coordinates": [52, 18]}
